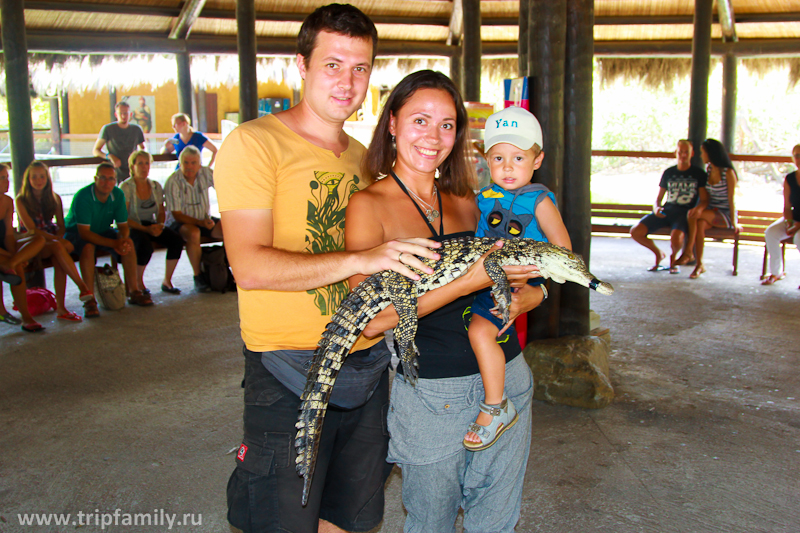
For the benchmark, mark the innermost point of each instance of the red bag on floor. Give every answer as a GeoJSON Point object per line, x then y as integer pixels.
{"type": "Point", "coordinates": [40, 301]}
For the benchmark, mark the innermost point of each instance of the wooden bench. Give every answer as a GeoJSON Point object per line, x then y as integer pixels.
{"type": "Point", "coordinates": [38, 266]}
{"type": "Point", "coordinates": [620, 218]}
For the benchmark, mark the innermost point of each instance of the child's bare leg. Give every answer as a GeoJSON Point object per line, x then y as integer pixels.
{"type": "Point", "coordinates": [492, 364]}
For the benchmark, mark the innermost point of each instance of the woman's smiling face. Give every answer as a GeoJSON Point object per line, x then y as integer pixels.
{"type": "Point", "coordinates": [425, 130]}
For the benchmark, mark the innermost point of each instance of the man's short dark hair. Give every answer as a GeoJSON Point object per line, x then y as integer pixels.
{"type": "Point", "coordinates": [101, 166]}
{"type": "Point", "coordinates": [343, 19]}
{"type": "Point", "coordinates": [120, 104]}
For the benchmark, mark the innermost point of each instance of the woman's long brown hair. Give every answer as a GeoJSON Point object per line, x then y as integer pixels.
{"type": "Point", "coordinates": [47, 206]}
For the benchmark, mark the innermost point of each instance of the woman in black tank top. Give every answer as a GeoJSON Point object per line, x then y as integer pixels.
{"type": "Point", "coordinates": [786, 227]}
{"type": "Point", "coordinates": [420, 147]}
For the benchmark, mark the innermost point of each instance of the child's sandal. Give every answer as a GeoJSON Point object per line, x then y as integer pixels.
{"type": "Point", "coordinates": [504, 416]}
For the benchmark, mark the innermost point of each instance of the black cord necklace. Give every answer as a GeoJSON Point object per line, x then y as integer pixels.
{"type": "Point", "coordinates": [427, 217]}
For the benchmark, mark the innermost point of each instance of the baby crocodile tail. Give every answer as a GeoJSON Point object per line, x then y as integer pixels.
{"type": "Point", "coordinates": [354, 313]}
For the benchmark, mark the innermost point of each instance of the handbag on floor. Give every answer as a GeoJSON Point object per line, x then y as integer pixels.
{"type": "Point", "coordinates": [40, 300]}
{"type": "Point", "coordinates": [109, 289]}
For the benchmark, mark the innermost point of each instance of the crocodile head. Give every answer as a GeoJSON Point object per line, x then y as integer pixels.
{"type": "Point", "coordinates": [561, 264]}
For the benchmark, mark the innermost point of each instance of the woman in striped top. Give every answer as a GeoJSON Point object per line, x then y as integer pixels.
{"type": "Point", "coordinates": [721, 209]}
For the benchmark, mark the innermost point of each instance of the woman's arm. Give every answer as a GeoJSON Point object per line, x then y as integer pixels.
{"type": "Point", "coordinates": [62, 228]}
{"type": "Point", "coordinates": [213, 149]}
{"type": "Point", "coordinates": [27, 221]}
{"type": "Point", "coordinates": [733, 179]}
{"type": "Point", "coordinates": [549, 219]}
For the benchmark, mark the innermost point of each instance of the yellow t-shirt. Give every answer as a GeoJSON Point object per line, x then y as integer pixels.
{"type": "Point", "coordinates": [264, 165]}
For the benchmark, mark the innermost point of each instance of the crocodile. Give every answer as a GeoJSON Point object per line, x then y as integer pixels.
{"type": "Point", "coordinates": [379, 290]}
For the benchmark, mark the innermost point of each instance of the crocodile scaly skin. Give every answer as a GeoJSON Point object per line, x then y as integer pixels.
{"type": "Point", "coordinates": [376, 292]}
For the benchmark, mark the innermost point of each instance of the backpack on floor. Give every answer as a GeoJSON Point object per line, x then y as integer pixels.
{"type": "Point", "coordinates": [215, 270]}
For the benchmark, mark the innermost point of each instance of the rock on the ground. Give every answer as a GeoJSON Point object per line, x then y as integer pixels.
{"type": "Point", "coordinates": [571, 370]}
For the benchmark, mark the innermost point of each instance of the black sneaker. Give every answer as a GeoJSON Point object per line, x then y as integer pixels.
{"type": "Point", "coordinates": [200, 284]}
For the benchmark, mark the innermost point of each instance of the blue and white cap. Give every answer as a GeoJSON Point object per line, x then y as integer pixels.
{"type": "Point", "coordinates": [513, 125]}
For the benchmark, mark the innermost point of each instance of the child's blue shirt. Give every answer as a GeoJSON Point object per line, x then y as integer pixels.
{"type": "Point", "coordinates": [511, 213]}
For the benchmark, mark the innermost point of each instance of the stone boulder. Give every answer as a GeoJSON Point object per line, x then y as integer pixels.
{"type": "Point", "coordinates": [571, 370]}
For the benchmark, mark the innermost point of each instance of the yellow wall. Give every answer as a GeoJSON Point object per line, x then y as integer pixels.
{"type": "Point", "coordinates": [89, 111]}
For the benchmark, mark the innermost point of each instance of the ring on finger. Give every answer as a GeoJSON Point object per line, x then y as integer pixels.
{"type": "Point", "coordinates": [399, 256]}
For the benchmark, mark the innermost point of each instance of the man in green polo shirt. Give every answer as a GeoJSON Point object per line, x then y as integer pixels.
{"type": "Point", "coordinates": [88, 227]}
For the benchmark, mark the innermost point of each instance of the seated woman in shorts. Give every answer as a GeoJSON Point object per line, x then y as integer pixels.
{"type": "Point", "coordinates": [41, 213]}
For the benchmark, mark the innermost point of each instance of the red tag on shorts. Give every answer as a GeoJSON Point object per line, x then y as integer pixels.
{"type": "Point", "coordinates": [242, 452]}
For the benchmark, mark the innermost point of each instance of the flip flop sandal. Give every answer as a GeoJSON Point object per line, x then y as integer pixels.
{"type": "Point", "coordinates": [675, 270]}
{"type": "Point", "coordinates": [504, 416]}
{"type": "Point", "coordinates": [32, 328]}
{"type": "Point", "coordinates": [8, 318]}
{"type": "Point", "coordinates": [657, 268]}
{"type": "Point", "coordinates": [70, 316]}
{"type": "Point", "coordinates": [10, 278]}
{"type": "Point", "coordinates": [86, 296]}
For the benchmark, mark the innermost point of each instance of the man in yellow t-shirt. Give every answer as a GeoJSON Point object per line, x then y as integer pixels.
{"type": "Point", "coordinates": [283, 183]}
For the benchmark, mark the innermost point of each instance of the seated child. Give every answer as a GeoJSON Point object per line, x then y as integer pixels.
{"type": "Point", "coordinates": [511, 207]}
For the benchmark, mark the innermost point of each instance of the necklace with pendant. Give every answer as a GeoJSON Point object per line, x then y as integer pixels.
{"type": "Point", "coordinates": [431, 213]}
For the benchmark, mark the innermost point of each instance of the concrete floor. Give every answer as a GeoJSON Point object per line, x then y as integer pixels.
{"type": "Point", "coordinates": [140, 409]}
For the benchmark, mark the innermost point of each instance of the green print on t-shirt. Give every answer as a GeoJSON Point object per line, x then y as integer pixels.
{"type": "Point", "coordinates": [325, 230]}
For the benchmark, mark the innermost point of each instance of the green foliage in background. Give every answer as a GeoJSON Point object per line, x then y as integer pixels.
{"type": "Point", "coordinates": [628, 116]}
{"type": "Point", "coordinates": [40, 113]}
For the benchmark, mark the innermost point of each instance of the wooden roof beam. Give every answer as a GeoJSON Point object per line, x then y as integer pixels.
{"type": "Point", "coordinates": [124, 43]}
{"type": "Point", "coordinates": [116, 9]}
{"type": "Point", "coordinates": [124, 9]}
{"type": "Point", "coordinates": [188, 15]}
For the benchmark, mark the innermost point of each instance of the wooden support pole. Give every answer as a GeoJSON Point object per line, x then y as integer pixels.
{"type": "Point", "coordinates": [112, 101]}
{"type": "Point", "coordinates": [456, 71]}
{"type": "Point", "coordinates": [55, 126]}
{"type": "Point", "coordinates": [576, 193]}
{"type": "Point", "coordinates": [185, 92]}
{"type": "Point", "coordinates": [246, 44]}
{"type": "Point", "coordinates": [729, 102]}
{"type": "Point", "coordinates": [701, 66]}
{"type": "Point", "coordinates": [64, 112]}
{"type": "Point", "coordinates": [522, 44]}
{"type": "Point", "coordinates": [548, 32]}
{"type": "Point", "coordinates": [455, 38]}
{"type": "Point", "coordinates": [65, 146]}
{"type": "Point", "coordinates": [471, 50]}
{"type": "Point", "coordinates": [15, 52]}
{"type": "Point", "coordinates": [202, 111]}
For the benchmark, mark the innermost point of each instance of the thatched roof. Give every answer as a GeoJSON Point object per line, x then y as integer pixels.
{"type": "Point", "coordinates": [663, 72]}
{"type": "Point", "coordinates": [118, 34]}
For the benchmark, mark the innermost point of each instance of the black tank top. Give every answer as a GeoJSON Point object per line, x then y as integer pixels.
{"type": "Point", "coordinates": [443, 341]}
{"type": "Point", "coordinates": [794, 193]}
